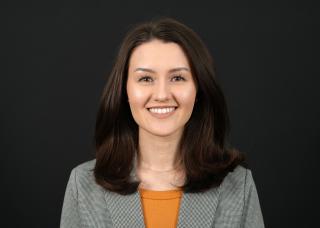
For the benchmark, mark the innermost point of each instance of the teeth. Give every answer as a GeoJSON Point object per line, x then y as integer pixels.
{"type": "Point", "coordinates": [161, 110]}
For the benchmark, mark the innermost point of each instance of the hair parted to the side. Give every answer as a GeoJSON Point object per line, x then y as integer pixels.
{"type": "Point", "coordinates": [204, 151]}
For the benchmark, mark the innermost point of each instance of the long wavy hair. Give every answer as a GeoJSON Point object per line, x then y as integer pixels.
{"type": "Point", "coordinates": [203, 150]}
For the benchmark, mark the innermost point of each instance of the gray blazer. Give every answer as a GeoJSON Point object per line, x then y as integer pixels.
{"type": "Point", "coordinates": [234, 203]}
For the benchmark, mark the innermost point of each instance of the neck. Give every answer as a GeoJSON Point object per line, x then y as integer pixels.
{"type": "Point", "coordinates": [158, 153]}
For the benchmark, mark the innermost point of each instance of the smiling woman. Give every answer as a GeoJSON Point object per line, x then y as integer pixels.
{"type": "Point", "coordinates": [162, 155]}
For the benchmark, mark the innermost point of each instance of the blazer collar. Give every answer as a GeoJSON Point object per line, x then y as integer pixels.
{"type": "Point", "coordinates": [196, 209]}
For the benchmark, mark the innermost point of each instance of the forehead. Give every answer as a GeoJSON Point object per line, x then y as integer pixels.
{"type": "Point", "coordinates": [158, 55]}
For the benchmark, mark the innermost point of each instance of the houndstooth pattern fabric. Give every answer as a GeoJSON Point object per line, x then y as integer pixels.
{"type": "Point", "coordinates": [234, 204]}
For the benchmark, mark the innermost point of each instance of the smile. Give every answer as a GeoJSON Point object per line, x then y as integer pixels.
{"type": "Point", "coordinates": [162, 113]}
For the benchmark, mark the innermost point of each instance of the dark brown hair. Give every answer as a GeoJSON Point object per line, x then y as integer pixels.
{"type": "Point", "coordinates": [203, 149]}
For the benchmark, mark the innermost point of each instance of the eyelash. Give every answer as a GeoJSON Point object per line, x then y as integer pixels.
{"type": "Point", "coordinates": [177, 76]}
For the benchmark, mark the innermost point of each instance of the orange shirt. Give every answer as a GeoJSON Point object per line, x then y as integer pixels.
{"type": "Point", "coordinates": [160, 208]}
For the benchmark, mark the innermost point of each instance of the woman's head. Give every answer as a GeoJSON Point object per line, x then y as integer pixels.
{"type": "Point", "coordinates": [159, 79]}
{"type": "Point", "coordinates": [190, 51]}
{"type": "Point", "coordinates": [140, 79]}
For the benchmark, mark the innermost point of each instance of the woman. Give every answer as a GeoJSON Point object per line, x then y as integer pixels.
{"type": "Point", "coordinates": [162, 158]}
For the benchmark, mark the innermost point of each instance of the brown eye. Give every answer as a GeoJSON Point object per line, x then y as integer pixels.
{"type": "Point", "coordinates": [144, 79]}
{"type": "Point", "coordinates": [179, 77]}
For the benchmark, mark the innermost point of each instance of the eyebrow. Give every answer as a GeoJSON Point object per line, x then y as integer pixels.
{"type": "Point", "coordinates": [170, 71]}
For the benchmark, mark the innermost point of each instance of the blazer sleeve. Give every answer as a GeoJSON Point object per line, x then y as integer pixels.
{"type": "Point", "coordinates": [252, 214]}
{"type": "Point", "coordinates": [70, 213]}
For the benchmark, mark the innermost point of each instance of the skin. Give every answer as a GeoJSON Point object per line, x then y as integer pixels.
{"type": "Point", "coordinates": [159, 138]}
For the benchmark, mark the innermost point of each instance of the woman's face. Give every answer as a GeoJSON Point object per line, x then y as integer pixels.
{"type": "Point", "coordinates": [159, 76]}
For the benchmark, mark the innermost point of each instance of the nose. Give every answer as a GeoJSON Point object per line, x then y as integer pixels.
{"type": "Point", "coordinates": [162, 91]}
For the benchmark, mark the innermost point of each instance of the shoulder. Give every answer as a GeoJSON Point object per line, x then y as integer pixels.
{"type": "Point", "coordinates": [83, 182]}
{"type": "Point", "coordinates": [239, 200]}
{"type": "Point", "coordinates": [233, 187]}
{"type": "Point", "coordinates": [84, 171]}
{"type": "Point", "coordinates": [87, 166]}
{"type": "Point", "coordinates": [85, 197]}
{"type": "Point", "coordinates": [232, 197]}
{"type": "Point", "coordinates": [82, 176]}
{"type": "Point", "coordinates": [237, 179]}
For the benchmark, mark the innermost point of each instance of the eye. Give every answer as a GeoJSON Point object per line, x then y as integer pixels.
{"type": "Point", "coordinates": [144, 79]}
{"type": "Point", "coordinates": [179, 77]}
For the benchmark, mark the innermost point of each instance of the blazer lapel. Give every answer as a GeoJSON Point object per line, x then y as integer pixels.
{"type": "Point", "coordinates": [198, 209]}
{"type": "Point", "coordinates": [125, 211]}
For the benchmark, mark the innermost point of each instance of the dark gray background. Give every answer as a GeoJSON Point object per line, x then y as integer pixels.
{"type": "Point", "coordinates": [56, 60]}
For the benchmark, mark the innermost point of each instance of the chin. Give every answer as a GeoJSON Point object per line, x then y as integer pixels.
{"type": "Point", "coordinates": [163, 132]}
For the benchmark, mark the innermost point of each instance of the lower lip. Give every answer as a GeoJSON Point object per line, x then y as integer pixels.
{"type": "Point", "coordinates": [162, 115]}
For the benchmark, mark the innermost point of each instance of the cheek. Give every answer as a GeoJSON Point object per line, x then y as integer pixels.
{"type": "Point", "coordinates": [136, 97]}
{"type": "Point", "coordinates": [187, 96]}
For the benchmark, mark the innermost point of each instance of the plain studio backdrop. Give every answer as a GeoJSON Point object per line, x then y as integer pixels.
{"type": "Point", "coordinates": [56, 61]}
